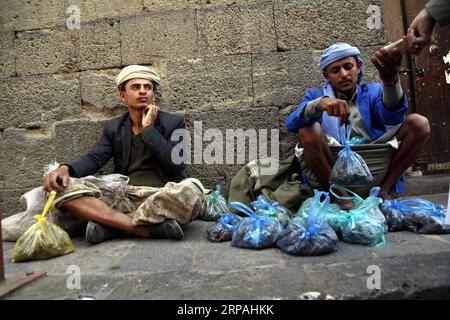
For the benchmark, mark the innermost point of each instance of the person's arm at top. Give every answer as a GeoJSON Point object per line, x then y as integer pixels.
{"type": "Point", "coordinates": [440, 11]}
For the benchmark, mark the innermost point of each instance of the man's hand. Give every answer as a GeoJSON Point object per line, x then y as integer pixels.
{"type": "Point", "coordinates": [57, 180]}
{"type": "Point", "coordinates": [420, 32]}
{"type": "Point", "coordinates": [336, 108]}
{"type": "Point", "coordinates": [149, 115]}
{"type": "Point", "coordinates": [387, 65]}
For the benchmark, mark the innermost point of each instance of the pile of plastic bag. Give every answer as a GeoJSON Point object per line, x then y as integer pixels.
{"type": "Point", "coordinates": [319, 224]}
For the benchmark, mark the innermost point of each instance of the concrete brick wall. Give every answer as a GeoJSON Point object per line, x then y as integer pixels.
{"type": "Point", "coordinates": [228, 63]}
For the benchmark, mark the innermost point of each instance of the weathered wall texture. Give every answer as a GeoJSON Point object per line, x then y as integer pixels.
{"type": "Point", "coordinates": [228, 63]}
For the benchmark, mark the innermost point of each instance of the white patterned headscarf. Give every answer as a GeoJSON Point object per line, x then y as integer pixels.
{"type": "Point", "coordinates": [137, 72]}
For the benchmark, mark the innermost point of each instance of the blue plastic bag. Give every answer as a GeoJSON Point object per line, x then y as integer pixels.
{"type": "Point", "coordinates": [349, 168]}
{"type": "Point", "coordinates": [393, 214]}
{"type": "Point", "coordinates": [230, 220]}
{"type": "Point", "coordinates": [224, 228]}
{"type": "Point", "coordinates": [274, 211]}
{"type": "Point", "coordinates": [359, 140]}
{"type": "Point", "coordinates": [254, 232]}
{"type": "Point", "coordinates": [305, 208]}
{"type": "Point", "coordinates": [309, 233]}
{"type": "Point", "coordinates": [416, 215]}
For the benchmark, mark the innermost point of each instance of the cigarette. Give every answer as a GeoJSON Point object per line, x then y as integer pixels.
{"type": "Point", "coordinates": [400, 44]}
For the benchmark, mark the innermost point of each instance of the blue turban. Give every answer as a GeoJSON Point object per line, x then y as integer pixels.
{"type": "Point", "coordinates": [338, 51]}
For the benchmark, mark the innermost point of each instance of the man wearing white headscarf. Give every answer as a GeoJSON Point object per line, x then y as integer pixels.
{"type": "Point", "coordinates": [141, 145]}
{"type": "Point", "coordinates": [377, 112]}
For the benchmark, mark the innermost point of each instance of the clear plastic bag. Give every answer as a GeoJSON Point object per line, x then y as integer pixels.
{"type": "Point", "coordinates": [43, 240]}
{"type": "Point", "coordinates": [364, 223]}
{"type": "Point", "coordinates": [216, 205]}
{"type": "Point", "coordinates": [309, 233]}
{"type": "Point", "coordinates": [274, 211]}
{"type": "Point", "coordinates": [349, 168]}
{"type": "Point", "coordinates": [254, 232]}
{"type": "Point", "coordinates": [114, 186]}
{"type": "Point", "coordinates": [230, 220]}
{"type": "Point", "coordinates": [371, 205]}
{"type": "Point", "coordinates": [361, 229]}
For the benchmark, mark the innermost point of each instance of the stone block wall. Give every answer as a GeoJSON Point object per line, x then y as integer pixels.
{"type": "Point", "coordinates": [225, 64]}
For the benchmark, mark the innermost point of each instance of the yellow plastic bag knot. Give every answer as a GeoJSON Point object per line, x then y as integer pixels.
{"type": "Point", "coordinates": [38, 217]}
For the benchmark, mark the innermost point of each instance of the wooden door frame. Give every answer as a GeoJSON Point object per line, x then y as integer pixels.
{"type": "Point", "coordinates": [393, 17]}
{"type": "Point", "coordinates": [394, 28]}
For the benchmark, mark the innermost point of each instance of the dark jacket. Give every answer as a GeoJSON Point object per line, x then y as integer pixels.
{"type": "Point", "coordinates": [116, 142]}
{"type": "Point", "coordinates": [440, 11]}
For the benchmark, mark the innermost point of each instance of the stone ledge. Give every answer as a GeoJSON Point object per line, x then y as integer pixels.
{"type": "Point", "coordinates": [430, 184]}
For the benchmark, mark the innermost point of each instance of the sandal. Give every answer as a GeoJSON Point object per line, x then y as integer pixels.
{"type": "Point", "coordinates": [344, 204]}
{"type": "Point", "coordinates": [346, 199]}
{"type": "Point", "coordinates": [385, 196]}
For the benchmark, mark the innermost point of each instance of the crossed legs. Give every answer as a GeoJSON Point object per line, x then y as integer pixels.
{"type": "Point", "coordinates": [91, 208]}
{"type": "Point", "coordinates": [413, 135]}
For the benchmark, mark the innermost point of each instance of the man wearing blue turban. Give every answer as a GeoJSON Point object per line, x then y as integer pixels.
{"type": "Point", "coordinates": [377, 112]}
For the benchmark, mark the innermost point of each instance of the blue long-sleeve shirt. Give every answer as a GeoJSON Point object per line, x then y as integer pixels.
{"type": "Point", "coordinates": [377, 118]}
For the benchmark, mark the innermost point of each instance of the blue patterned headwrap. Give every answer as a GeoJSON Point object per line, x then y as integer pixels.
{"type": "Point", "coordinates": [338, 51]}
